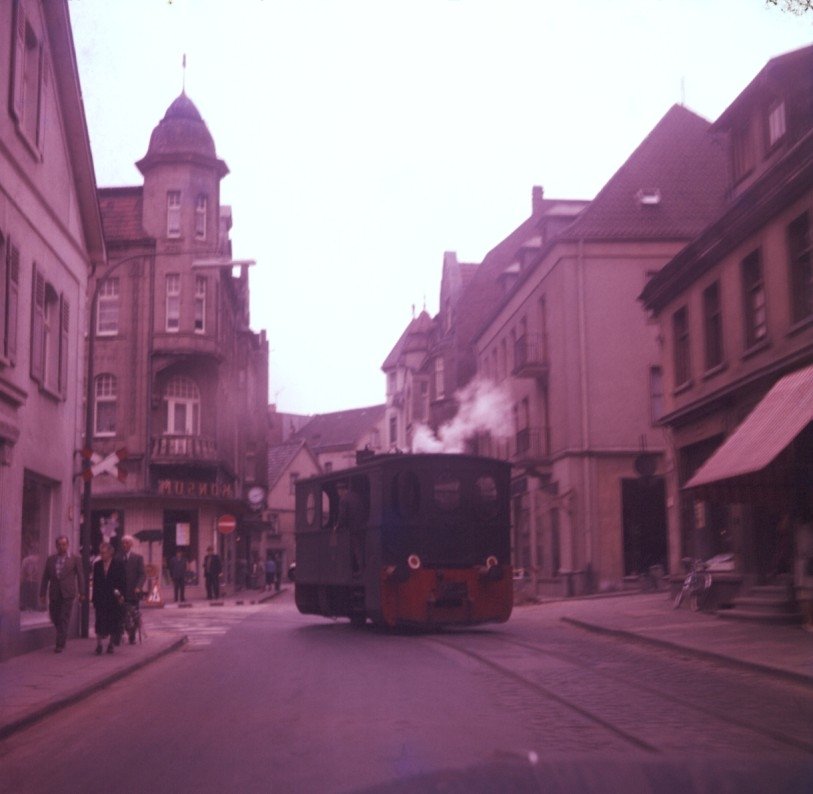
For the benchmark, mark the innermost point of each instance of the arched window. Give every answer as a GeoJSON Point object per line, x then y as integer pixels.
{"type": "Point", "coordinates": [105, 408]}
{"type": "Point", "coordinates": [182, 407]}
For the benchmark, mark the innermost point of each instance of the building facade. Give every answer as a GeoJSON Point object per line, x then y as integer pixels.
{"type": "Point", "coordinates": [735, 311]}
{"type": "Point", "coordinates": [50, 242]}
{"type": "Point", "coordinates": [582, 365]}
{"type": "Point", "coordinates": [178, 387]}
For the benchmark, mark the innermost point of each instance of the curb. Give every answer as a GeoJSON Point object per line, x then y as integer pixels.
{"type": "Point", "coordinates": [80, 694]}
{"type": "Point", "coordinates": [798, 678]}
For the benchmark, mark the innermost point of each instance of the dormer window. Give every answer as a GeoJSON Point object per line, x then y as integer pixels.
{"type": "Point", "coordinates": [776, 122]}
{"type": "Point", "coordinates": [742, 151]}
{"type": "Point", "coordinates": [648, 197]}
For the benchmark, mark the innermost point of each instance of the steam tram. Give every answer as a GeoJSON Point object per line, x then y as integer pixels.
{"type": "Point", "coordinates": [406, 540]}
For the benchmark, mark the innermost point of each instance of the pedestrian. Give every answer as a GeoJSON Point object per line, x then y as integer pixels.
{"type": "Point", "coordinates": [270, 572]}
{"type": "Point", "coordinates": [64, 582]}
{"type": "Point", "coordinates": [212, 567]}
{"type": "Point", "coordinates": [257, 573]}
{"type": "Point", "coordinates": [135, 575]}
{"type": "Point", "coordinates": [109, 584]}
{"type": "Point", "coordinates": [177, 572]}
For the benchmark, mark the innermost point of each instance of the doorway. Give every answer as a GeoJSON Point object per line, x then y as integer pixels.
{"type": "Point", "coordinates": [643, 503]}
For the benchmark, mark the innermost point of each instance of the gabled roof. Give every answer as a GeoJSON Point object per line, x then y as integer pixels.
{"type": "Point", "coordinates": [281, 456]}
{"type": "Point", "coordinates": [339, 429]}
{"type": "Point", "coordinates": [679, 167]}
{"type": "Point", "coordinates": [122, 213]}
{"type": "Point", "coordinates": [66, 77]}
{"type": "Point", "coordinates": [778, 68]}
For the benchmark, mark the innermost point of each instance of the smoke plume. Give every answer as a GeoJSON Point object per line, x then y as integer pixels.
{"type": "Point", "coordinates": [483, 407]}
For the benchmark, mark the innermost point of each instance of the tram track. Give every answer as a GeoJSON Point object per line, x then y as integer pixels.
{"type": "Point", "coordinates": [490, 658]}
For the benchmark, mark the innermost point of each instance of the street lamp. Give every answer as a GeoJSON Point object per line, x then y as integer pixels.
{"type": "Point", "coordinates": [87, 463]}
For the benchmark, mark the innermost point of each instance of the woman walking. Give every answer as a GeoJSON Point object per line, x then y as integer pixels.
{"type": "Point", "coordinates": [108, 585]}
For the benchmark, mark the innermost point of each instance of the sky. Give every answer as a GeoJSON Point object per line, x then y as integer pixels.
{"type": "Point", "coordinates": [365, 138]}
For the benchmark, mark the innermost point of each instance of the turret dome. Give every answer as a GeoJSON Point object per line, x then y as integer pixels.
{"type": "Point", "coordinates": [181, 136]}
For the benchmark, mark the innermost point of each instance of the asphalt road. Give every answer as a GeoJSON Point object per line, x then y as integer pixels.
{"type": "Point", "coordinates": [265, 699]}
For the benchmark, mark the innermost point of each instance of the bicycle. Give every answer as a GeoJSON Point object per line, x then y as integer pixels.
{"type": "Point", "coordinates": [696, 585]}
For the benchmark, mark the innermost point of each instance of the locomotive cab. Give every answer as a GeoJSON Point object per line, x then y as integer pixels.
{"type": "Point", "coordinates": [406, 540]}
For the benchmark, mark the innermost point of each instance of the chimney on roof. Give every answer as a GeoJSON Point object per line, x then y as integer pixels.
{"type": "Point", "coordinates": [537, 194]}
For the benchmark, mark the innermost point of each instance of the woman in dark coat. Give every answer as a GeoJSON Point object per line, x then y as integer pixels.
{"type": "Point", "coordinates": [108, 586]}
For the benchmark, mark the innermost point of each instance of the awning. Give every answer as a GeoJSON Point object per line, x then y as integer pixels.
{"type": "Point", "coordinates": [777, 419]}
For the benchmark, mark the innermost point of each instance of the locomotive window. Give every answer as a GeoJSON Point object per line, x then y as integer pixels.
{"type": "Point", "coordinates": [310, 509]}
{"type": "Point", "coordinates": [447, 492]}
{"type": "Point", "coordinates": [406, 494]}
{"type": "Point", "coordinates": [486, 492]}
{"type": "Point", "coordinates": [325, 509]}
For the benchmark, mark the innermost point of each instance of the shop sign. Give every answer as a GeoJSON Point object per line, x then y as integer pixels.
{"type": "Point", "coordinates": [195, 489]}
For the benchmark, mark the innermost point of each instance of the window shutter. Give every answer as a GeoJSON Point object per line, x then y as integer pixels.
{"type": "Point", "coordinates": [38, 327]}
{"type": "Point", "coordinates": [64, 340]}
{"type": "Point", "coordinates": [12, 301]}
{"type": "Point", "coordinates": [18, 84]}
{"type": "Point", "coordinates": [44, 81]}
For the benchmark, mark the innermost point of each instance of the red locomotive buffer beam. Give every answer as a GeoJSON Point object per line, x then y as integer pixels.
{"type": "Point", "coordinates": [448, 596]}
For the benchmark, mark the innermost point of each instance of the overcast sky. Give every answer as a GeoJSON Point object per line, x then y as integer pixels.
{"type": "Point", "coordinates": [367, 137]}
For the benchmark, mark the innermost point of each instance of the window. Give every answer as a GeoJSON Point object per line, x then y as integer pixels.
{"type": "Point", "coordinates": [753, 288]}
{"type": "Point", "coordinates": [655, 394]}
{"type": "Point", "coordinates": [107, 310]}
{"type": "Point", "coordinates": [9, 300]}
{"type": "Point", "coordinates": [713, 325]}
{"type": "Point", "coordinates": [447, 492]}
{"type": "Point", "coordinates": [776, 122]}
{"type": "Point", "coordinates": [39, 518]}
{"type": "Point", "coordinates": [393, 430]}
{"type": "Point", "coordinates": [174, 213]}
{"type": "Point", "coordinates": [50, 327]}
{"type": "Point", "coordinates": [181, 407]}
{"type": "Point", "coordinates": [680, 335]}
{"type": "Point", "coordinates": [105, 407]}
{"type": "Point", "coordinates": [801, 268]}
{"type": "Point", "coordinates": [201, 205]}
{"type": "Point", "coordinates": [742, 150]}
{"type": "Point", "coordinates": [30, 77]}
{"type": "Point", "coordinates": [173, 302]}
{"type": "Point", "coordinates": [200, 304]}
{"type": "Point", "coordinates": [440, 381]}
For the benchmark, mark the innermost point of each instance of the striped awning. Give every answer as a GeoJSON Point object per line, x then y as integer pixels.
{"type": "Point", "coordinates": [775, 422]}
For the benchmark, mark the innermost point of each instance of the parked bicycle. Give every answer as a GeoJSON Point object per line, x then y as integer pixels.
{"type": "Point", "coordinates": [696, 585]}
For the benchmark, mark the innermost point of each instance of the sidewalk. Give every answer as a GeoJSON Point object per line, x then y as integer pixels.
{"type": "Point", "coordinates": [781, 650]}
{"type": "Point", "coordinates": [36, 684]}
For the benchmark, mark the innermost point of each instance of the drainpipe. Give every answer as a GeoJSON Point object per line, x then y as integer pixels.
{"type": "Point", "coordinates": [587, 512]}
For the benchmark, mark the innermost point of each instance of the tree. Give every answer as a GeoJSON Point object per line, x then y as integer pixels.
{"type": "Point", "coordinates": [797, 7]}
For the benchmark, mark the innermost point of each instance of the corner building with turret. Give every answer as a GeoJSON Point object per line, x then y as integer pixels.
{"type": "Point", "coordinates": [178, 386]}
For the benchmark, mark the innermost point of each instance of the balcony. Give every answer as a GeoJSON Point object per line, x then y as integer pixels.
{"type": "Point", "coordinates": [530, 358]}
{"type": "Point", "coordinates": [183, 449]}
{"type": "Point", "coordinates": [530, 447]}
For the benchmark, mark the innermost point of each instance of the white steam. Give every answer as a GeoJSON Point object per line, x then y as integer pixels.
{"type": "Point", "coordinates": [483, 407]}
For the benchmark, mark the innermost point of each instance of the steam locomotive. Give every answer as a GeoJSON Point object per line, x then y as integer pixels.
{"type": "Point", "coordinates": [418, 540]}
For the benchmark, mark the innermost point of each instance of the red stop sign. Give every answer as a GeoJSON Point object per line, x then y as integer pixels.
{"type": "Point", "coordinates": [226, 524]}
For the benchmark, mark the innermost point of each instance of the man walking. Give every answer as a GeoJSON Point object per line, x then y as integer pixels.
{"type": "Point", "coordinates": [177, 572]}
{"type": "Point", "coordinates": [212, 566]}
{"type": "Point", "coordinates": [63, 581]}
{"type": "Point", "coordinates": [134, 577]}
